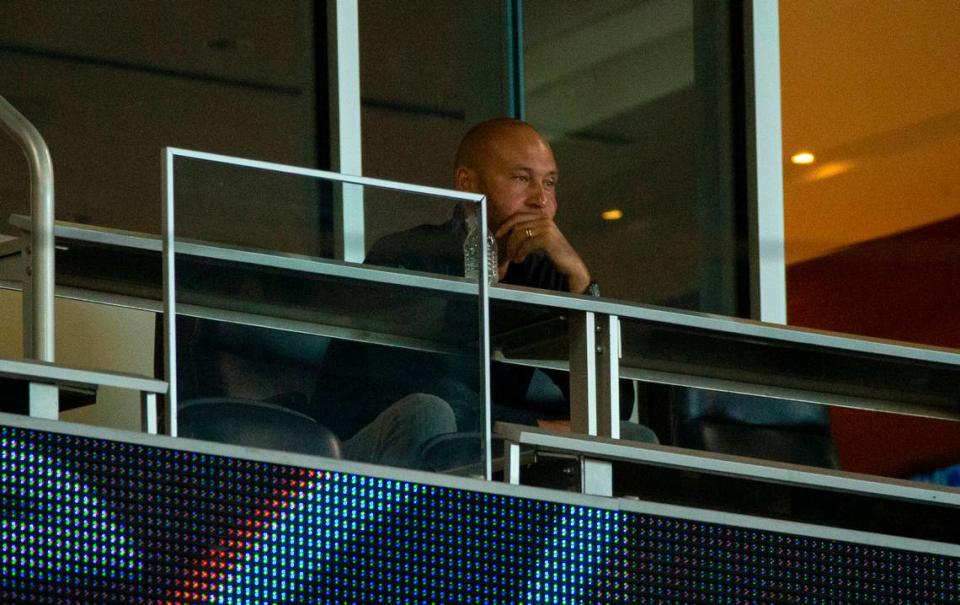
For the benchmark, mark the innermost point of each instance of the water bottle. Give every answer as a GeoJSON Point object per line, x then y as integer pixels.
{"type": "Point", "coordinates": [471, 252]}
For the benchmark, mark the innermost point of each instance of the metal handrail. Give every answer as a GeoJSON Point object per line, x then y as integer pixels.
{"type": "Point", "coordinates": [39, 335]}
{"type": "Point", "coordinates": [45, 380]}
{"type": "Point", "coordinates": [36, 371]}
{"type": "Point", "coordinates": [772, 471]}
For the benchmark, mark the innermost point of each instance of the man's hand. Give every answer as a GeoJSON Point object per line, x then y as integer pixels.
{"type": "Point", "coordinates": [527, 232]}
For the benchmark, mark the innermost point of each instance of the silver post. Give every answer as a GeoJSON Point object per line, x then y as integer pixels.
{"type": "Point", "coordinates": [583, 373]}
{"type": "Point", "coordinates": [38, 338]}
{"type": "Point", "coordinates": [608, 376]}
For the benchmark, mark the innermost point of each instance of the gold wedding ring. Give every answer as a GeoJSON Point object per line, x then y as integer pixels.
{"type": "Point", "coordinates": [528, 232]}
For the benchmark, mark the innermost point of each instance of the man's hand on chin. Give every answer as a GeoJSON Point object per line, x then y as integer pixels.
{"type": "Point", "coordinates": [527, 232]}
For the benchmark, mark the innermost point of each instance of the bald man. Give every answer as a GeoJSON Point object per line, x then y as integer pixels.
{"type": "Point", "coordinates": [362, 388]}
{"type": "Point", "coordinates": [508, 161]}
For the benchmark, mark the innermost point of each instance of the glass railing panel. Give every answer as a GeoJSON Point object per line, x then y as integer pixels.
{"type": "Point", "coordinates": [375, 361]}
{"type": "Point", "coordinates": [734, 386]}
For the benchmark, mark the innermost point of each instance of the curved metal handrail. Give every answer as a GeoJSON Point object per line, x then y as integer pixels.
{"type": "Point", "coordinates": [38, 336]}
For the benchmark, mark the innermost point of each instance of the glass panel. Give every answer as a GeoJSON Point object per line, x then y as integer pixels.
{"type": "Point", "coordinates": [279, 347]}
{"type": "Point", "coordinates": [635, 98]}
{"type": "Point", "coordinates": [429, 70]}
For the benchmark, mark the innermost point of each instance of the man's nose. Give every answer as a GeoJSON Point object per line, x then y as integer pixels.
{"type": "Point", "coordinates": [538, 197]}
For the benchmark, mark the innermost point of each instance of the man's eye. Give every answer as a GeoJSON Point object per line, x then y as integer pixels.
{"type": "Point", "coordinates": [520, 178]}
{"type": "Point", "coordinates": [550, 184]}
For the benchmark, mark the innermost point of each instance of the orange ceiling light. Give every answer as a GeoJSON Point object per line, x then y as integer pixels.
{"type": "Point", "coordinates": [803, 157]}
{"type": "Point", "coordinates": [830, 169]}
{"type": "Point", "coordinates": [614, 214]}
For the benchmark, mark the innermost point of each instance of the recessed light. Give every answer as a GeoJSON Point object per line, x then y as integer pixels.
{"type": "Point", "coordinates": [614, 214]}
{"type": "Point", "coordinates": [803, 157]}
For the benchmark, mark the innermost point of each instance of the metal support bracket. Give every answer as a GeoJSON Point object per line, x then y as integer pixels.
{"type": "Point", "coordinates": [149, 417]}
{"type": "Point", "coordinates": [608, 376]}
{"type": "Point", "coordinates": [44, 400]}
{"type": "Point", "coordinates": [583, 373]}
{"type": "Point", "coordinates": [596, 477]}
{"type": "Point", "coordinates": [511, 462]}
{"type": "Point", "coordinates": [595, 374]}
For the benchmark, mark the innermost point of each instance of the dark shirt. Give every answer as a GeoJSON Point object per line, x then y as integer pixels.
{"type": "Point", "coordinates": [439, 249]}
{"type": "Point", "coordinates": [358, 381]}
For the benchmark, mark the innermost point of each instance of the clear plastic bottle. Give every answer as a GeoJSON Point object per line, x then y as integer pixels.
{"type": "Point", "coordinates": [471, 252]}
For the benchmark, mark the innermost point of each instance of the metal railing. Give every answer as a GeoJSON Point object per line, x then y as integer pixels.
{"type": "Point", "coordinates": [38, 333]}
{"type": "Point", "coordinates": [46, 379]}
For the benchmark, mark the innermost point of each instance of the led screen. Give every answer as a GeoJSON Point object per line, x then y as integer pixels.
{"type": "Point", "coordinates": [90, 520]}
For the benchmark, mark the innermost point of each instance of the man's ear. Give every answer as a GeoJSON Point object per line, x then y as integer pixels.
{"type": "Point", "coordinates": [464, 179]}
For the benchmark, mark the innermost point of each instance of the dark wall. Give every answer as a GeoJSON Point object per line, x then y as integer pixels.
{"type": "Point", "coordinates": [109, 83]}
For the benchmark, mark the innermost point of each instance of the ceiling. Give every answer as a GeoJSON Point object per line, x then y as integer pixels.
{"type": "Point", "coordinates": [870, 87]}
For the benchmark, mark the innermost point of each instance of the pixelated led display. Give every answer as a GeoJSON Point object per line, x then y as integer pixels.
{"type": "Point", "coordinates": [86, 520]}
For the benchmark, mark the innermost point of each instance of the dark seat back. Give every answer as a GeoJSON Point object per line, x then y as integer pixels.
{"type": "Point", "coordinates": [255, 424]}
{"type": "Point", "coordinates": [222, 359]}
{"type": "Point", "coordinates": [249, 386]}
{"type": "Point", "coordinates": [759, 427]}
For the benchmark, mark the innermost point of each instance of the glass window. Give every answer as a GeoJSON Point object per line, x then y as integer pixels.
{"type": "Point", "coordinates": [110, 83]}
{"type": "Point", "coordinates": [636, 99]}
{"type": "Point", "coordinates": [429, 70]}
